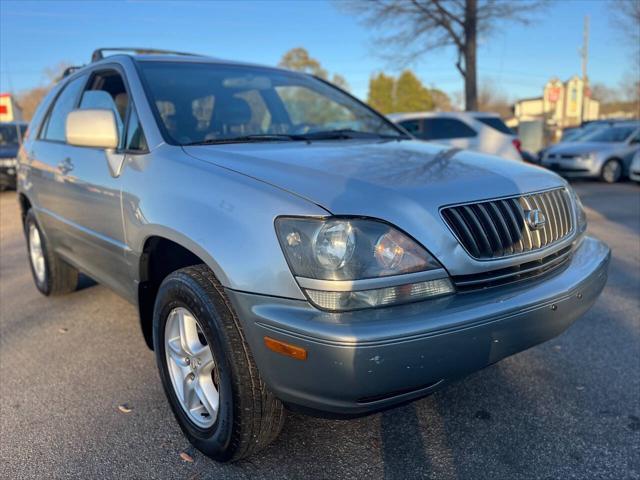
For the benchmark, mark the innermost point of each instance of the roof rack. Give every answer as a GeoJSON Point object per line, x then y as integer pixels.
{"type": "Point", "coordinates": [69, 70]}
{"type": "Point", "coordinates": [99, 53]}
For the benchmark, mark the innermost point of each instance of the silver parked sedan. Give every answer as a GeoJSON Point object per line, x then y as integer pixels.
{"type": "Point", "coordinates": [604, 154]}
{"type": "Point", "coordinates": [286, 245]}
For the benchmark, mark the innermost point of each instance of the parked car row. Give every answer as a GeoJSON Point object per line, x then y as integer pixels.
{"type": "Point", "coordinates": [602, 150]}
{"type": "Point", "coordinates": [478, 131]}
{"type": "Point", "coordinates": [599, 149]}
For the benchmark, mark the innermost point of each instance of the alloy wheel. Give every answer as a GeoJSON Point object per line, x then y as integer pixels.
{"type": "Point", "coordinates": [36, 253]}
{"type": "Point", "coordinates": [191, 367]}
{"type": "Point", "coordinates": [611, 171]}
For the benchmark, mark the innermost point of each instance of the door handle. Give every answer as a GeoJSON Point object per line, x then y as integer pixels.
{"type": "Point", "coordinates": [65, 166]}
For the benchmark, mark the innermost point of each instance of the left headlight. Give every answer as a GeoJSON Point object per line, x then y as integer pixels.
{"type": "Point", "coordinates": [354, 263]}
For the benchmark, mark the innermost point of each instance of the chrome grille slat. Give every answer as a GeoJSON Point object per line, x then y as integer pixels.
{"type": "Point", "coordinates": [497, 228]}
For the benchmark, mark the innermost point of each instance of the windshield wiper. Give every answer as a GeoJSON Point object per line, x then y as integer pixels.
{"type": "Point", "coordinates": [266, 137]}
{"type": "Point", "coordinates": [347, 133]}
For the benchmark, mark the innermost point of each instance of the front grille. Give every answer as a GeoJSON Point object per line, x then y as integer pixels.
{"type": "Point", "coordinates": [497, 228]}
{"type": "Point", "coordinates": [516, 273]}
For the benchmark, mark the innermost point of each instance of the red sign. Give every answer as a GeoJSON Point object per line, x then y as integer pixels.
{"type": "Point", "coordinates": [553, 94]}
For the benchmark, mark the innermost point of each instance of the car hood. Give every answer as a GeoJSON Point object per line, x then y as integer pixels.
{"type": "Point", "coordinates": [402, 182]}
{"type": "Point", "coordinates": [355, 177]}
{"type": "Point", "coordinates": [579, 148]}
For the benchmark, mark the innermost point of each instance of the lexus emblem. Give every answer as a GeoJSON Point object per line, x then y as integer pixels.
{"type": "Point", "coordinates": [535, 219]}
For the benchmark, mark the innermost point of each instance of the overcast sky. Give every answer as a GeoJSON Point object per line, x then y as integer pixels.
{"type": "Point", "coordinates": [517, 59]}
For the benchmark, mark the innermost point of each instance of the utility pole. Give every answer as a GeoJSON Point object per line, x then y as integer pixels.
{"type": "Point", "coordinates": [584, 53]}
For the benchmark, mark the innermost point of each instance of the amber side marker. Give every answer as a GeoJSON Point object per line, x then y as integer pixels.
{"type": "Point", "coordinates": [285, 348]}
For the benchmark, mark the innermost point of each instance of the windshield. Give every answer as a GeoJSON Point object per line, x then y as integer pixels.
{"type": "Point", "coordinates": [211, 103]}
{"type": "Point", "coordinates": [611, 135]}
{"type": "Point", "coordinates": [11, 134]}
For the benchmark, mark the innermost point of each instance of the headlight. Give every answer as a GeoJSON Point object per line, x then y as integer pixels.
{"type": "Point", "coordinates": [581, 216]}
{"type": "Point", "coordinates": [348, 264]}
{"type": "Point", "coordinates": [8, 162]}
{"type": "Point", "coordinates": [587, 157]}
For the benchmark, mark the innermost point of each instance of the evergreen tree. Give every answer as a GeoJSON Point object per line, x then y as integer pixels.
{"type": "Point", "coordinates": [411, 95]}
{"type": "Point", "coordinates": [381, 93]}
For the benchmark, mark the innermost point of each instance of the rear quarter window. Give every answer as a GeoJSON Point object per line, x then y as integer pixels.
{"type": "Point", "coordinates": [496, 123]}
{"type": "Point", "coordinates": [445, 128]}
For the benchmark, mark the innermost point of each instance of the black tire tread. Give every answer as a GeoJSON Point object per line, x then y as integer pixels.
{"type": "Point", "coordinates": [258, 414]}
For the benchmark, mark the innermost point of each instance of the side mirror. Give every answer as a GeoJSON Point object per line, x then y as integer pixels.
{"type": "Point", "coordinates": [92, 128]}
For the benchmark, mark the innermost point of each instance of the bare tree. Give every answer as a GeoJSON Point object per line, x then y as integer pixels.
{"type": "Point", "coordinates": [626, 15]}
{"type": "Point", "coordinates": [413, 27]}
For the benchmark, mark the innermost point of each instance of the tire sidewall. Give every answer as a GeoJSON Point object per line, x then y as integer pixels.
{"type": "Point", "coordinates": [45, 286]}
{"type": "Point", "coordinates": [178, 290]}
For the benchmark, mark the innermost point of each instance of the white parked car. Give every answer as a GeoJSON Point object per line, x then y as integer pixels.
{"type": "Point", "coordinates": [480, 131]}
{"type": "Point", "coordinates": [634, 169]}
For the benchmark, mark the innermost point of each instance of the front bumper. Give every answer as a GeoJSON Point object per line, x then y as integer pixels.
{"type": "Point", "coordinates": [573, 167]}
{"type": "Point", "coordinates": [364, 361]}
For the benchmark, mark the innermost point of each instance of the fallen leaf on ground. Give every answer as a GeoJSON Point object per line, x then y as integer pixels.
{"type": "Point", "coordinates": [186, 457]}
{"type": "Point", "coordinates": [124, 408]}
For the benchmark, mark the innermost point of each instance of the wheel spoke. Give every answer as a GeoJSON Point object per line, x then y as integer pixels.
{"type": "Point", "coordinates": [207, 394]}
{"type": "Point", "coordinates": [175, 351]}
{"type": "Point", "coordinates": [188, 390]}
{"type": "Point", "coordinates": [188, 333]}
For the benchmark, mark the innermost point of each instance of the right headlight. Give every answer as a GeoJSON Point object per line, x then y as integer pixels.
{"type": "Point", "coordinates": [354, 263]}
{"type": "Point", "coordinates": [581, 216]}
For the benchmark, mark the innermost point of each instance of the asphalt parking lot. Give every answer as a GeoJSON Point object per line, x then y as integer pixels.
{"type": "Point", "coordinates": [569, 408]}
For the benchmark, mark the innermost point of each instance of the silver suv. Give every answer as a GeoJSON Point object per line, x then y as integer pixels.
{"type": "Point", "coordinates": [288, 246]}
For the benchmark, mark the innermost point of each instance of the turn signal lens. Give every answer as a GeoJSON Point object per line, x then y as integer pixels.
{"type": "Point", "coordinates": [361, 299]}
{"type": "Point", "coordinates": [286, 349]}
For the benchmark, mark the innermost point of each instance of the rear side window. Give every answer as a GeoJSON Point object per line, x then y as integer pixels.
{"type": "Point", "coordinates": [411, 126]}
{"type": "Point", "coordinates": [55, 125]}
{"type": "Point", "coordinates": [445, 128]}
{"type": "Point", "coordinates": [495, 123]}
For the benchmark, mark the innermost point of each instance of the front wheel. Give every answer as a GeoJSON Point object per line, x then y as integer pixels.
{"type": "Point", "coordinates": [611, 171]}
{"type": "Point", "coordinates": [207, 370]}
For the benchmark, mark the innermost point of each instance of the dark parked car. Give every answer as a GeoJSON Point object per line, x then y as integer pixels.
{"type": "Point", "coordinates": [11, 135]}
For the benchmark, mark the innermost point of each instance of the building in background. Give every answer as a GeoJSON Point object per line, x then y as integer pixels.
{"type": "Point", "coordinates": [562, 105]}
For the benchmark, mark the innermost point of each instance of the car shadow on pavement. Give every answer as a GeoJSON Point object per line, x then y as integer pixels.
{"type": "Point", "coordinates": [85, 282]}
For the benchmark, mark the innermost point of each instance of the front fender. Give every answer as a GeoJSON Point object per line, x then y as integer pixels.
{"type": "Point", "coordinates": [225, 218]}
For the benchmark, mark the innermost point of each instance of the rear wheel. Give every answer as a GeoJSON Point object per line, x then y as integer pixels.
{"type": "Point", "coordinates": [611, 171]}
{"type": "Point", "coordinates": [207, 370]}
{"type": "Point", "coordinates": [51, 274]}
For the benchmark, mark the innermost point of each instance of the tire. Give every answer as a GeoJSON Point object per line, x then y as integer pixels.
{"type": "Point", "coordinates": [249, 417]}
{"type": "Point", "coordinates": [611, 171]}
{"type": "Point", "coordinates": [51, 274]}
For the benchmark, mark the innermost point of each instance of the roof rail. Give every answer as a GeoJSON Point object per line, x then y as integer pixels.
{"type": "Point", "coordinates": [69, 70]}
{"type": "Point", "coordinates": [99, 53]}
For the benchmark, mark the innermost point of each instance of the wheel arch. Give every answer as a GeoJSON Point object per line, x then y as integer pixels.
{"type": "Point", "coordinates": [161, 255]}
{"type": "Point", "coordinates": [25, 205]}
